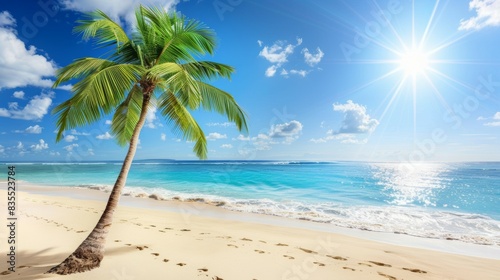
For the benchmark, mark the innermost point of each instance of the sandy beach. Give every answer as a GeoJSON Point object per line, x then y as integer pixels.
{"type": "Point", "coordinates": [146, 242]}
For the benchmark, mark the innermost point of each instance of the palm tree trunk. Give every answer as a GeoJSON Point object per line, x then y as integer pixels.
{"type": "Point", "coordinates": [91, 251]}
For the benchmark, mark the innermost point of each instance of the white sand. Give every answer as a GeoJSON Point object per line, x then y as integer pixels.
{"type": "Point", "coordinates": [181, 242]}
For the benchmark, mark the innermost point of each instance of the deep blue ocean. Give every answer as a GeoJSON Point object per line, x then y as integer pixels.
{"type": "Point", "coordinates": [434, 200]}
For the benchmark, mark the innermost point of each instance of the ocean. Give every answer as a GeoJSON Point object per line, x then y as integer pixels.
{"type": "Point", "coordinates": [454, 201]}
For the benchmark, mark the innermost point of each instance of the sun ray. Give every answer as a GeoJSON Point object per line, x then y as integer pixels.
{"type": "Point", "coordinates": [429, 23]}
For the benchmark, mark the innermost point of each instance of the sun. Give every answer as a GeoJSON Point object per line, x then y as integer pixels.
{"type": "Point", "coordinates": [413, 61]}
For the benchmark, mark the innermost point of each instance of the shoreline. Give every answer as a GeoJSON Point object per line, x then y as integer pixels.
{"type": "Point", "coordinates": [149, 243]}
{"type": "Point", "coordinates": [212, 211]}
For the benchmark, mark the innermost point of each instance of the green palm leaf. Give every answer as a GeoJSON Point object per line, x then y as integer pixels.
{"type": "Point", "coordinates": [126, 116]}
{"type": "Point", "coordinates": [176, 114]}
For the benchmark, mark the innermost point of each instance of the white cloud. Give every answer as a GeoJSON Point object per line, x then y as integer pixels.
{"type": "Point", "coordinates": [241, 137]}
{"type": "Point", "coordinates": [108, 122]}
{"type": "Point", "coordinates": [116, 9]}
{"type": "Point", "coordinates": [216, 136]}
{"type": "Point", "coordinates": [313, 59]}
{"type": "Point", "coordinates": [302, 73]}
{"type": "Point", "coordinates": [70, 148]}
{"type": "Point", "coordinates": [54, 153]}
{"type": "Point", "coordinates": [150, 118]}
{"type": "Point", "coordinates": [271, 70]}
{"type": "Point", "coordinates": [105, 136]}
{"type": "Point", "coordinates": [91, 152]}
{"type": "Point", "coordinates": [75, 132]}
{"type": "Point", "coordinates": [277, 54]}
{"type": "Point", "coordinates": [34, 129]}
{"type": "Point", "coordinates": [40, 146]}
{"type": "Point", "coordinates": [18, 94]}
{"type": "Point", "coordinates": [20, 145]}
{"type": "Point", "coordinates": [226, 146]}
{"type": "Point", "coordinates": [21, 65]}
{"type": "Point", "coordinates": [36, 108]}
{"type": "Point", "coordinates": [286, 130]}
{"type": "Point", "coordinates": [356, 120]}
{"type": "Point", "coordinates": [487, 14]}
{"type": "Point", "coordinates": [163, 137]}
{"type": "Point", "coordinates": [2, 149]}
{"type": "Point", "coordinates": [260, 43]}
{"type": "Point", "coordinates": [6, 19]}
{"type": "Point", "coordinates": [495, 118]}
{"type": "Point", "coordinates": [224, 124]}
{"type": "Point", "coordinates": [70, 138]}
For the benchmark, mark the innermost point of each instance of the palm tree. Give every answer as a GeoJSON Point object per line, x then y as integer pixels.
{"type": "Point", "coordinates": [154, 66]}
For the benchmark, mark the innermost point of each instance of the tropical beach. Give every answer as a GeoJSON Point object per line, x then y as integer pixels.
{"type": "Point", "coordinates": [149, 241]}
{"type": "Point", "coordinates": [168, 139]}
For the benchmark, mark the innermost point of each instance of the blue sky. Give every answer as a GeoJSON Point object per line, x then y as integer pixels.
{"type": "Point", "coordinates": [388, 80]}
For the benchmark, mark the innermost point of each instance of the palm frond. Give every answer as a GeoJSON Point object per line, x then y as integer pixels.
{"type": "Point", "coordinates": [177, 114]}
{"type": "Point", "coordinates": [100, 26]}
{"type": "Point", "coordinates": [126, 116]}
{"type": "Point", "coordinates": [214, 99]}
{"type": "Point", "coordinates": [208, 70]}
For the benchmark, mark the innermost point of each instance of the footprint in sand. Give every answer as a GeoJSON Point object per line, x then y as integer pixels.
{"type": "Point", "coordinates": [185, 229]}
{"type": "Point", "coordinates": [181, 264]}
{"type": "Point", "coordinates": [365, 264]}
{"type": "Point", "coordinates": [165, 260]}
{"type": "Point", "coordinates": [117, 240]}
{"type": "Point", "coordinates": [380, 264]}
{"type": "Point", "coordinates": [246, 239]}
{"type": "Point", "coordinates": [217, 278]}
{"type": "Point", "coordinates": [281, 244]}
{"type": "Point", "coordinates": [202, 269]}
{"type": "Point", "coordinates": [161, 230]}
{"type": "Point", "coordinates": [339, 258]}
{"type": "Point", "coordinates": [155, 254]}
{"type": "Point", "coordinates": [308, 251]}
{"type": "Point", "coordinates": [387, 276]}
{"type": "Point", "coordinates": [289, 257]}
{"type": "Point", "coordinates": [262, 241]}
{"type": "Point", "coordinates": [259, 251]}
{"type": "Point", "coordinates": [140, 248]}
{"type": "Point", "coordinates": [415, 270]}
{"type": "Point", "coordinates": [5, 272]}
{"type": "Point", "coordinates": [352, 269]}
{"type": "Point", "coordinates": [232, 245]}
{"type": "Point", "coordinates": [319, 264]}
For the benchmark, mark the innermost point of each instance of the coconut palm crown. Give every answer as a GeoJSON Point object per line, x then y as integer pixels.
{"type": "Point", "coordinates": [154, 66]}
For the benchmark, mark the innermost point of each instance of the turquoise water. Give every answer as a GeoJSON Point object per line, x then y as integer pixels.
{"type": "Point", "coordinates": [436, 200]}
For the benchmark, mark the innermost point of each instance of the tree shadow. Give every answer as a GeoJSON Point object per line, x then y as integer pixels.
{"type": "Point", "coordinates": [33, 265]}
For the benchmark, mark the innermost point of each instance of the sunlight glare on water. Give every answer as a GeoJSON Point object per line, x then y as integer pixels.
{"type": "Point", "coordinates": [415, 186]}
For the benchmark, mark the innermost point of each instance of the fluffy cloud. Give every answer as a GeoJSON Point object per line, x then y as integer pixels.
{"type": "Point", "coordinates": [150, 118]}
{"type": "Point", "coordinates": [286, 130]}
{"type": "Point", "coordinates": [487, 14]}
{"type": "Point", "coordinates": [313, 59]}
{"type": "Point", "coordinates": [284, 133]}
{"type": "Point", "coordinates": [34, 129]}
{"type": "Point", "coordinates": [495, 118]}
{"type": "Point", "coordinates": [163, 137]}
{"type": "Point", "coordinates": [226, 146]}
{"type": "Point", "coordinates": [18, 94]}
{"type": "Point", "coordinates": [271, 70]}
{"type": "Point", "coordinates": [40, 146]}
{"type": "Point", "coordinates": [116, 9]}
{"type": "Point", "coordinates": [105, 136]}
{"type": "Point", "coordinates": [36, 108]}
{"type": "Point", "coordinates": [356, 120]}
{"type": "Point", "coordinates": [21, 65]}
{"type": "Point", "coordinates": [70, 148]}
{"type": "Point", "coordinates": [216, 136]}
{"type": "Point", "coordinates": [6, 19]}
{"type": "Point", "coordinates": [2, 149]}
{"type": "Point", "coordinates": [277, 54]}
{"type": "Point", "coordinates": [70, 138]}
{"type": "Point", "coordinates": [20, 145]}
